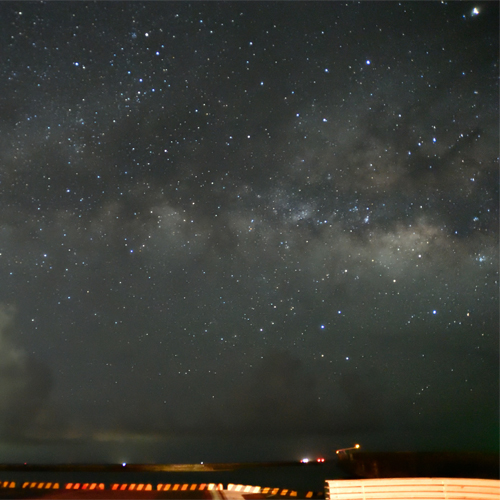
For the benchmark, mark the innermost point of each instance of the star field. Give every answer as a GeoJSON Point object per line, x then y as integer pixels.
{"type": "Point", "coordinates": [261, 220]}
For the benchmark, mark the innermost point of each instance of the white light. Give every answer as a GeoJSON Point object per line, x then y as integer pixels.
{"type": "Point", "coordinates": [368, 62]}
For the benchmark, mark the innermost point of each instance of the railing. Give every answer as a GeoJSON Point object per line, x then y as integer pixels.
{"type": "Point", "coordinates": [428, 488]}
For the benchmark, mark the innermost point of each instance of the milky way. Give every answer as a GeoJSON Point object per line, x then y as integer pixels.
{"type": "Point", "coordinates": [247, 221]}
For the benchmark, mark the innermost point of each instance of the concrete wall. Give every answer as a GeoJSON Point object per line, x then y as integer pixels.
{"type": "Point", "coordinates": [428, 488]}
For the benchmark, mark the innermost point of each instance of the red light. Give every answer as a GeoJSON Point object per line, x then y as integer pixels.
{"type": "Point", "coordinates": [321, 460]}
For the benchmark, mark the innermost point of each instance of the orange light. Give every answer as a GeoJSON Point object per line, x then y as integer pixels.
{"type": "Point", "coordinates": [343, 450]}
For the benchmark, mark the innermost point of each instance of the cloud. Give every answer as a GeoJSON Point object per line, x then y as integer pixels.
{"type": "Point", "coordinates": [278, 397]}
{"type": "Point", "coordinates": [24, 384]}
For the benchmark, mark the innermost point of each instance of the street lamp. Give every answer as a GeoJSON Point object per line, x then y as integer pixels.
{"type": "Point", "coordinates": [343, 450]}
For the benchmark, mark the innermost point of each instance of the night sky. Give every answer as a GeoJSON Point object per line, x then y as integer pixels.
{"type": "Point", "coordinates": [247, 230]}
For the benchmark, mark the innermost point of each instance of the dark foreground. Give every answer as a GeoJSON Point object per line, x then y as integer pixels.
{"type": "Point", "coordinates": [236, 481]}
{"type": "Point", "coordinates": [64, 492]}
{"type": "Point", "coordinates": [232, 481]}
{"type": "Point", "coordinates": [406, 464]}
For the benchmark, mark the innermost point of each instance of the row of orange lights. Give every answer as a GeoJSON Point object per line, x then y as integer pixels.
{"type": "Point", "coordinates": [192, 487]}
{"type": "Point", "coordinates": [84, 486]}
{"type": "Point", "coordinates": [160, 487]}
{"type": "Point", "coordinates": [39, 486]}
{"type": "Point", "coordinates": [55, 486]}
{"type": "Point", "coordinates": [116, 486]}
{"type": "Point", "coordinates": [275, 491]}
{"type": "Point", "coordinates": [133, 486]}
{"type": "Point", "coordinates": [243, 488]}
{"type": "Point", "coordinates": [119, 487]}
